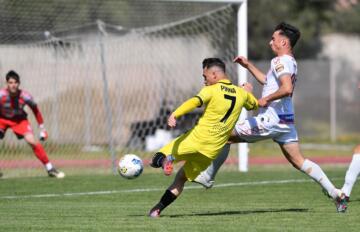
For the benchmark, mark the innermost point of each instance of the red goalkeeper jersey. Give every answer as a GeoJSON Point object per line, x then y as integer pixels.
{"type": "Point", "coordinates": [13, 107]}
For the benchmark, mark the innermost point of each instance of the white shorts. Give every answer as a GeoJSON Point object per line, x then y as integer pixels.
{"type": "Point", "coordinates": [263, 127]}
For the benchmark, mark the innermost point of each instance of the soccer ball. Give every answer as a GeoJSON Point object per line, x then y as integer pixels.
{"type": "Point", "coordinates": [130, 166]}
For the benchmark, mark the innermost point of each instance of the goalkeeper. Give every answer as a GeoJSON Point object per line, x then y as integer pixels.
{"type": "Point", "coordinates": [198, 147]}
{"type": "Point", "coordinates": [12, 115]}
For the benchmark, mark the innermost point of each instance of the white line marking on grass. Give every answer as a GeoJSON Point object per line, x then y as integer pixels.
{"type": "Point", "coordinates": [156, 189]}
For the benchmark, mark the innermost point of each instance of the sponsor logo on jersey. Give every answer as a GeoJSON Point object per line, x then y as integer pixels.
{"type": "Point", "coordinates": [279, 67]}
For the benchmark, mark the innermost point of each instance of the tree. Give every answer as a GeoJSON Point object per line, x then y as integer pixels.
{"type": "Point", "coordinates": [311, 17]}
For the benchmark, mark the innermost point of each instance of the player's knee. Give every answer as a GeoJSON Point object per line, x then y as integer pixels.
{"type": "Point", "coordinates": [296, 162]}
{"type": "Point", "coordinates": [157, 160]}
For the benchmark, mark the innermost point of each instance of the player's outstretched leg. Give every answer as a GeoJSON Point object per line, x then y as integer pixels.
{"type": "Point", "coordinates": [170, 194]}
{"type": "Point", "coordinates": [352, 173]}
{"type": "Point", "coordinates": [206, 177]}
{"type": "Point", "coordinates": [314, 171]}
{"type": "Point", "coordinates": [40, 153]}
{"type": "Point", "coordinates": [167, 198]}
{"type": "Point", "coordinates": [42, 156]}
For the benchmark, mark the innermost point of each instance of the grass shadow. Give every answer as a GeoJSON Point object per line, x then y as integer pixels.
{"type": "Point", "coordinates": [241, 212]}
{"type": "Point", "coordinates": [354, 200]}
{"type": "Point", "coordinates": [236, 212]}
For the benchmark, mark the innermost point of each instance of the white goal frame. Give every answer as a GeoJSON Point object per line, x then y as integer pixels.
{"type": "Point", "coordinates": [243, 149]}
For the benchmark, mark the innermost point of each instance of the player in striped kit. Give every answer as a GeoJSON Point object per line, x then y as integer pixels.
{"type": "Point", "coordinates": [12, 115]}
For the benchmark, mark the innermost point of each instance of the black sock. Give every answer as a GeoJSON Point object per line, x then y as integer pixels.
{"type": "Point", "coordinates": [166, 200]}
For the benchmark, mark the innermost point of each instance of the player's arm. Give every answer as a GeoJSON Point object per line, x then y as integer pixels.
{"type": "Point", "coordinates": [185, 108]}
{"type": "Point", "coordinates": [38, 116]}
{"type": "Point", "coordinates": [251, 102]}
{"type": "Point", "coordinates": [285, 89]}
{"type": "Point", "coordinates": [259, 75]}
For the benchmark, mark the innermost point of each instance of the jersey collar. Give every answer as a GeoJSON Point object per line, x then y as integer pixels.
{"type": "Point", "coordinates": [225, 81]}
{"type": "Point", "coordinates": [17, 94]}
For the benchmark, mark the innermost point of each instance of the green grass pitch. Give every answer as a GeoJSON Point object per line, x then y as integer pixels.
{"type": "Point", "coordinates": [264, 199]}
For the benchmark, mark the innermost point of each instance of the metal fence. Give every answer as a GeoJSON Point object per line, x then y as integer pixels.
{"type": "Point", "coordinates": [106, 90]}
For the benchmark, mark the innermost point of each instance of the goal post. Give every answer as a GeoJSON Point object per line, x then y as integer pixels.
{"type": "Point", "coordinates": [243, 148]}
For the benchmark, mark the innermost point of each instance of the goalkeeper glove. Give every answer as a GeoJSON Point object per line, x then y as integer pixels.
{"type": "Point", "coordinates": [43, 133]}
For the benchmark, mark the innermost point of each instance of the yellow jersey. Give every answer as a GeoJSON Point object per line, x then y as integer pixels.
{"type": "Point", "coordinates": [224, 102]}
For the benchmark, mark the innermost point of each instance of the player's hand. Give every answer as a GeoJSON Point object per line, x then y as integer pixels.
{"type": "Point", "coordinates": [43, 135]}
{"type": "Point", "coordinates": [248, 87]}
{"type": "Point", "coordinates": [263, 102]}
{"type": "Point", "coordinates": [172, 121]}
{"type": "Point", "coordinates": [242, 61]}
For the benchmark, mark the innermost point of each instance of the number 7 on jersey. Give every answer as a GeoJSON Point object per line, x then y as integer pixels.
{"type": "Point", "coordinates": [228, 113]}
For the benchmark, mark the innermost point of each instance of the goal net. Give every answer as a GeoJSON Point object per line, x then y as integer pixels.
{"type": "Point", "coordinates": [106, 74]}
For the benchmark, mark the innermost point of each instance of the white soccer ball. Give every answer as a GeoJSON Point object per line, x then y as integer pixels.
{"type": "Point", "coordinates": [130, 166]}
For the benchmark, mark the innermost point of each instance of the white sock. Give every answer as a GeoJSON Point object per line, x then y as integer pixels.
{"type": "Point", "coordinates": [316, 173]}
{"type": "Point", "coordinates": [351, 174]}
{"type": "Point", "coordinates": [48, 166]}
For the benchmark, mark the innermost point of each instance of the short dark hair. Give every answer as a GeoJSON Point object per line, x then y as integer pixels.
{"type": "Point", "coordinates": [211, 62]}
{"type": "Point", "coordinates": [12, 74]}
{"type": "Point", "coordinates": [291, 32]}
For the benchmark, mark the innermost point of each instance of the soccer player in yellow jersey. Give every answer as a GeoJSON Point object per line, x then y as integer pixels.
{"type": "Point", "coordinates": [198, 147]}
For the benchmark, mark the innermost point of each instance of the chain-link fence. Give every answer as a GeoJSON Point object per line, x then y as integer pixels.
{"type": "Point", "coordinates": [106, 90]}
